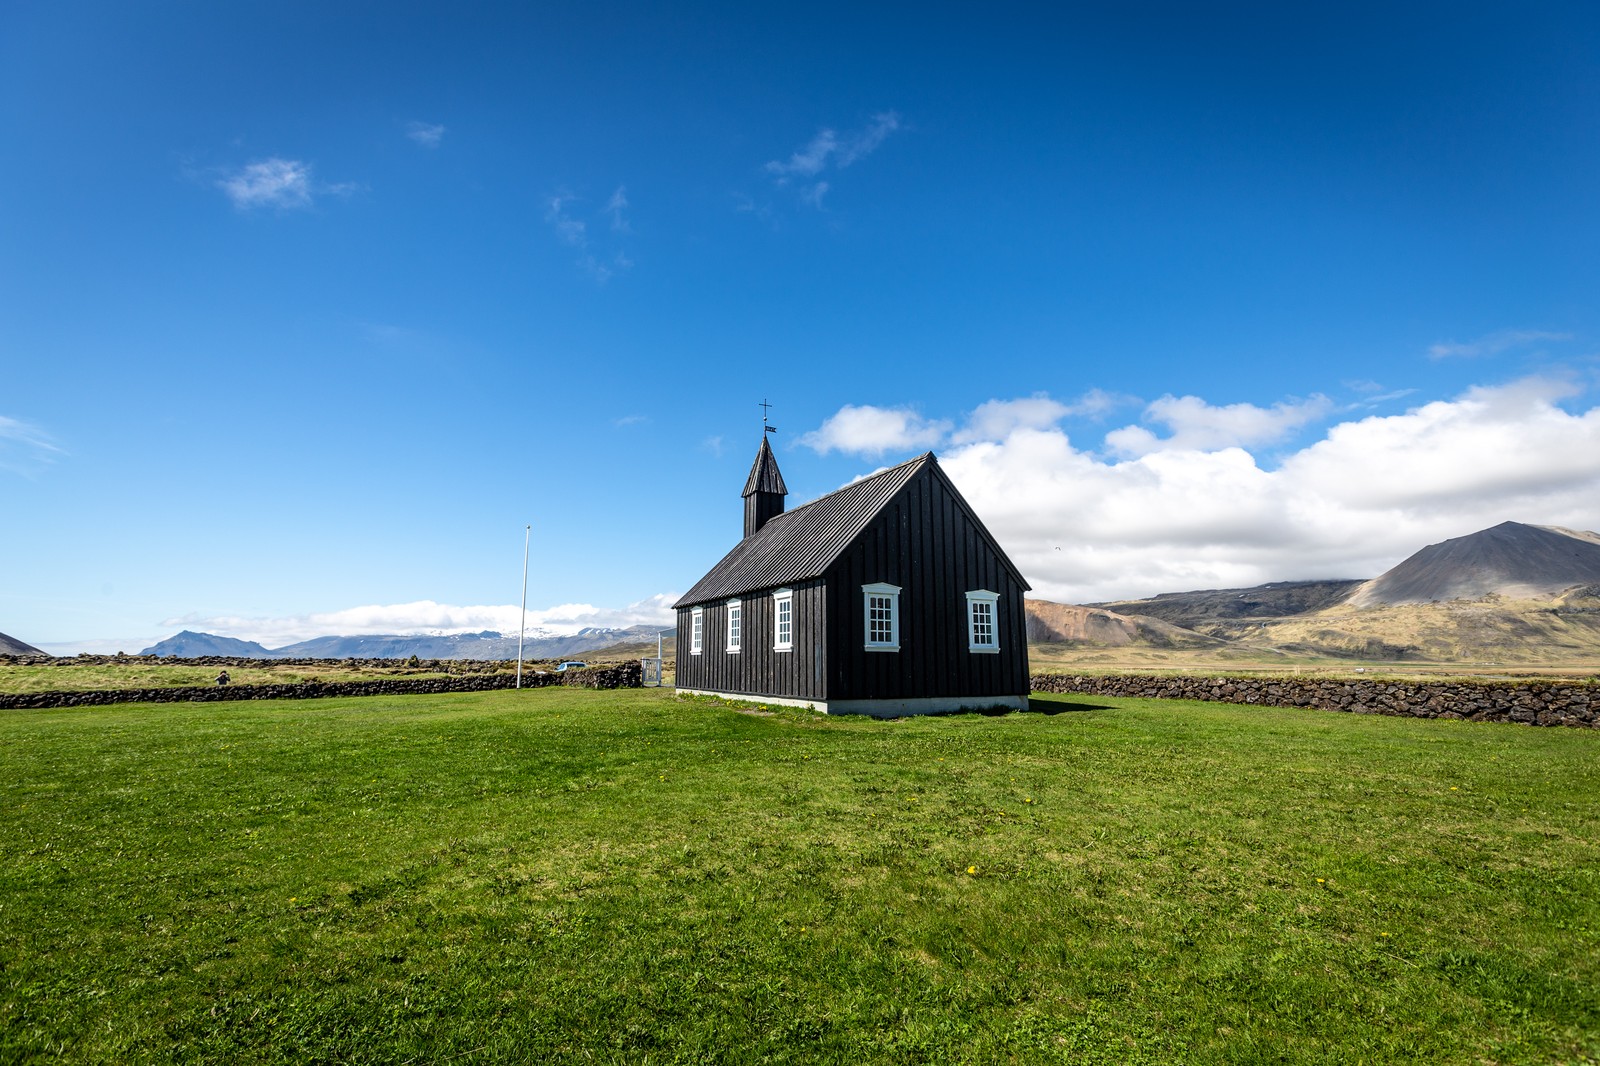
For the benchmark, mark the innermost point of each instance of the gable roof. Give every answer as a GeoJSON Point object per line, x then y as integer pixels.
{"type": "Point", "coordinates": [764, 473]}
{"type": "Point", "coordinates": [798, 545]}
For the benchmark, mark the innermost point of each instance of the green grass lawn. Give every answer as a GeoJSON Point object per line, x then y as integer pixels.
{"type": "Point", "coordinates": [572, 876]}
{"type": "Point", "coordinates": [70, 676]}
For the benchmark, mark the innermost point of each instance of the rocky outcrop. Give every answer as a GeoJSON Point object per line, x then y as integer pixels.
{"type": "Point", "coordinates": [1526, 702]}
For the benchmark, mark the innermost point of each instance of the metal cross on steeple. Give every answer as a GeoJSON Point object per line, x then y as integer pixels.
{"type": "Point", "coordinates": [765, 407]}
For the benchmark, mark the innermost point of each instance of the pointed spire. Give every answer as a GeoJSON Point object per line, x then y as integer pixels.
{"type": "Point", "coordinates": [764, 490]}
{"type": "Point", "coordinates": [764, 473]}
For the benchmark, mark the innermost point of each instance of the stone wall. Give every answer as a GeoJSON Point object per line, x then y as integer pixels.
{"type": "Point", "coordinates": [622, 675]}
{"type": "Point", "coordinates": [1527, 702]}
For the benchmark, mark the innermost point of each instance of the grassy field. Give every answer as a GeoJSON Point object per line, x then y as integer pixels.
{"type": "Point", "coordinates": [70, 675]}
{"type": "Point", "coordinates": [573, 876]}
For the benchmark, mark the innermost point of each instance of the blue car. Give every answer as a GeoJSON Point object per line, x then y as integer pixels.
{"type": "Point", "coordinates": [570, 664]}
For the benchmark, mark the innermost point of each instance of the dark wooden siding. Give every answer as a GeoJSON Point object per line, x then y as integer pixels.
{"type": "Point", "coordinates": [925, 542]}
{"type": "Point", "coordinates": [756, 669]}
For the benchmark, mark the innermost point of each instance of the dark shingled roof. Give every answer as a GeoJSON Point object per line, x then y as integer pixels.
{"type": "Point", "coordinates": [764, 473]}
{"type": "Point", "coordinates": [800, 544]}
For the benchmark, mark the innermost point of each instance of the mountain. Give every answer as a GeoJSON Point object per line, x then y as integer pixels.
{"type": "Point", "coordinates": [190, 645]}
{"type": "Point", "coordinates": [1516, 593]}
{"type": "Point", "coordinates": [1276, 599]}
{"type": "Point", "coordinates": [1512, 560]}
{"type": "Point", "coordinates": [13, 646]}
{"type": "Point", "coordinates": [485, 645]}
{"type": "Point", "coordinates": [1062, 623]}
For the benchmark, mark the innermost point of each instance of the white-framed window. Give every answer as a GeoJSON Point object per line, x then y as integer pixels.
{"type": "Point", "coordinates": [697, 629]}
{"type": "Point", "coordinates": [735, 625]}
{"type": "Point", "coordinates": [983, 621]}
{"type": "Point", "coordinates": [783, 620]}
{"type": "Point", "coordinates": [881, 603]}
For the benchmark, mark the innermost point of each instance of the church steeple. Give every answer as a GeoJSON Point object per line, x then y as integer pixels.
{"type": "Point", "coordinates": [764, 490]}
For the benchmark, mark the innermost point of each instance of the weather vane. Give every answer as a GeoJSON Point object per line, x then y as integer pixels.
{"type": "Point", "coordinates": [765, 406]}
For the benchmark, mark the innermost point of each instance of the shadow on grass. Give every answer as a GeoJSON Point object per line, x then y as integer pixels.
{"type": "Point", "coordinates": [1035, 706]}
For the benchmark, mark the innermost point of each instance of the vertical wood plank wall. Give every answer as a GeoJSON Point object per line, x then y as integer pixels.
{"type": "Point", "coordinates": [757, 669]}
{"type": "Point", "coordinates": [924, 542]}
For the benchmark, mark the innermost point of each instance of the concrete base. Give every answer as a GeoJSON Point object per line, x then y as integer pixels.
{"type": "Point", "coordinates": [879, 708]}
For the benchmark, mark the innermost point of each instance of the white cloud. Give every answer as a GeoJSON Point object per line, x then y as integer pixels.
{"type": "Point", "coordinates": [426, 134]}
{"type": "Point", "coordinates": [24, 448]}
{"type": "Point", "coordinates": [1370, 492]}
{"type": "Point", "coordinates": [426, 616]}
{"type": "Point", "coordinates": [996, 419]}
{"type": "Point", "coordinates": [615, 208]}
{"type": "Point", "coordinates": [871, 431]}
{"type": "Point", "coordinates": [285, 184]}
{"type": "Point", "coordinates": [1493, 343]}
{"type": "Point", "coordinates": [599, 263]}
{"type": "Point", "coordinates": [571, 230]}
{"type": "Point", "coordinates": [830, 149]}
{"type": "Point", "coordinates": [280, 183]}
{"type": "Point", "coordinates": [1197, 425]}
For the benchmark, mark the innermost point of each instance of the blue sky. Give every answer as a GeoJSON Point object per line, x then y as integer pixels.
{"type": "Point", "coordinates": [306, 310]}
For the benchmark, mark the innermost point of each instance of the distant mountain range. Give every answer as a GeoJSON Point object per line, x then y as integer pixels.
{"type": "Point", "coordinates": [485, 645]}
{"type": "Point", "coordinates": [1514, 592]}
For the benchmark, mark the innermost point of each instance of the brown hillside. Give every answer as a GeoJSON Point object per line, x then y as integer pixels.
{"type": "Point", "coordinates": [1492, 629]}
{"type": "Point", "coordinates": [1063, 623]}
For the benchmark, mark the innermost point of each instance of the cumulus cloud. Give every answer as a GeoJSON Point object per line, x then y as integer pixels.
{"type": "Point", "coordinates": [25, 448]}
{"type": "Point", "coordinates": [1493, 344]}
{"type": "Point", "coordinates": [426, 616]}
{"type": "Point", "coordinates": [830, 149]}
{"type": "Point", "coordinates": [1197, 425]}
{"type": "Point", "coordinates": [426, 134]}
{"type": "Point", "coordinates": [1084, 527]}
{"type": "Point", "coordinates": [996, 419]}
{"type": "Point", "coordinates": [871, 431]}
{"type": "Point", "coordinates": [285, 184]}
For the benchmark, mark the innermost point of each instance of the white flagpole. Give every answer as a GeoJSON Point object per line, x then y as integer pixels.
{"type": "Point", "coordinates": [527, 534]}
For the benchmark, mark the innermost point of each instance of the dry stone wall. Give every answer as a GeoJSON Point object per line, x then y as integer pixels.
{"type": "Point", "coordinates": [1525, 702]}
{"type": "Point", "coordinates": [622, 675]}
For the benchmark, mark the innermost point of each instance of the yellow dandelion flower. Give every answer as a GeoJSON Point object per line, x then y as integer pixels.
{"type": "Point", "coordinates": [972, 869]}
{"type": "Point", "coordinates": [1322, 881]}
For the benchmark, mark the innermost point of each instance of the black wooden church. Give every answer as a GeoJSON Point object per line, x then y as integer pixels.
{"type": "Point", "coordinates": [887, 597]}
